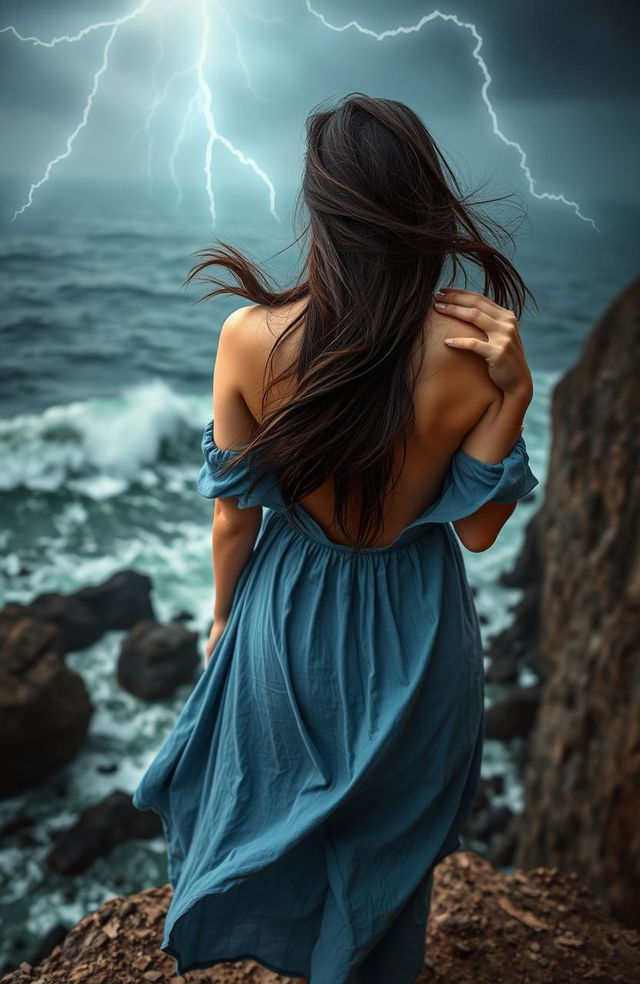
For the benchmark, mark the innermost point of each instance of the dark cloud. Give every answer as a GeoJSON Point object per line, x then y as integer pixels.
{"type": "Point", "coordinates": [564, 84]}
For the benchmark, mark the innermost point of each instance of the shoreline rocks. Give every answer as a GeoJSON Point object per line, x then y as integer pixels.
{"type": "Point", "coordinates": [155, 659]}
{"type": "Point", "coordinates": [45, 709]}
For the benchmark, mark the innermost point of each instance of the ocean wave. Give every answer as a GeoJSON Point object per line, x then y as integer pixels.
{"type": "Point", "coordinates": [28, 323]}
{"type": "Point", "coordinates": [39, 252]}
{"type": "Point", "coordinates": [121, 235]}
{"type": "Point", "coordinates": [75, 288]}
{"type": "Point", "coordinates": [100, 447]}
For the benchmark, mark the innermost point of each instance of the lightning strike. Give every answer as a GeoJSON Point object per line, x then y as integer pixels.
{"type": "Point", "coordinates": [184, 129]}
{"type": "Point", "coordinates": [157, 99]}
{"type": "Point", "coordinates": [239, 56]}
{"type": "Point", "coordinates": [160, 97]}
{"type": "Point", "coordinates": [81, 125]}
{"type": "Point", "coordinates": [72, 38]}
{"type": "Point", "coordinates": [203, 96]}
{"type": "Point", "coordinates": [413, 29]}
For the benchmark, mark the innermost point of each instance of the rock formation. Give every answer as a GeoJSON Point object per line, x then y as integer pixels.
{"type": "Point", "coordinates": [98, 829]}
{"type": "Point", "coordinates": [155, 659]}
{"type": "Point", "coordinates": [85, 615]}
{"type": "Point", "coordinates": [540, 926]}
{"type": "Point", "coordinates": [45, 708]}
{"type": "Point", "coordinates": [581, 566]}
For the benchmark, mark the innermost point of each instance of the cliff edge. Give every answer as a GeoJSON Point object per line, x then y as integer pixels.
{"type": "Point", "coordinates": [535, 927]}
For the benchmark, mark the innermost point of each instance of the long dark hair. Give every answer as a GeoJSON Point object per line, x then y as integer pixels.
{"type": "Point", "coordinates": [383, 221]}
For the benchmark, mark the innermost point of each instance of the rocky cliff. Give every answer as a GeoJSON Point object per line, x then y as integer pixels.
{"type": "Point", "coordinates": [581, 566]}
{"type": "Point", "coordinates": [539, 927]}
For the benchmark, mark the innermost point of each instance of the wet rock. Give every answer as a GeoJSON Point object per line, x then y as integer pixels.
{"type": "Point", "coordinates": [97, 831]}
{"type": "Point", "coordinates": [183, 616]}
{"type": "Point", "coordinates": [488, 822]}
{"type": "Point", "coordinates": [514, 716]}
{"type": "Point", "coordinates": [16, 825]}
{"type": "Point", "coordinates": [45, 708]}
{"type": "Point", "coordinates": [155, 659]}
{"type": "Point", "coordinates": [85, 615]}
{"type": "Point", "coordinates": [503, 847]}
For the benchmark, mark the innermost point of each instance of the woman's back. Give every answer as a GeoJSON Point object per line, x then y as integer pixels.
{"type": "Point", "coordinates": [327, 758]}
{"type": "Point", "coordinates": [452, 392]}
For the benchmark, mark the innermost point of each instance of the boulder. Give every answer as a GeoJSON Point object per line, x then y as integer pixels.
{"type": "Point", "coordinates": [45, 708]}
{"type": "Point", "coordinates": [155, 659]}
{"type": "Point", "coordinates": [85, 615]}
{"type": "Point", "coordinates": [97, 831]}
{"type": "Point", "coordinates": [514, 716]}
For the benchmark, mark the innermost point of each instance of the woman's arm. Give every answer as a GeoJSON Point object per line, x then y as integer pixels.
{"type": "Point", "coordinates": [495, 434]}
{"type": "Point", "coordinates": [234, 530]}
{"type": "Point", "coordinates": [491, 440]}
{"type": "Point", "coordinates": [498, 429]}
{"type": "Point", "coordinates": [232, 543]}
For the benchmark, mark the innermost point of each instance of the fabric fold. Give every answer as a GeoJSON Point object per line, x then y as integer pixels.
{"type": "Point", "coordinates": [470, 483]}
{"type": "Point", "coordinates": [211, 484]}
{"type": "Point", "coordinates": [328, 756]}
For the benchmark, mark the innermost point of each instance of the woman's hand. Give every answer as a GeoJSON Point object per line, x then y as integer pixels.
{"type": "Point", "coordinates": [503, 350]}
{"type": "Point", "coordinates": [218, 627]}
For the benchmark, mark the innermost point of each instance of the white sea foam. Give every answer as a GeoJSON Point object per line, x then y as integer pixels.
{"type": "Point", "coordinates": [96, 447]}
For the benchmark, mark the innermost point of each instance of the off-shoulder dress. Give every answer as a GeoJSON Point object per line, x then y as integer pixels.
{"type": "Point", "coordinates": [327, 757]}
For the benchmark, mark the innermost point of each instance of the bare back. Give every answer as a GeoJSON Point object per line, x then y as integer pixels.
{"type": "Point", "coordinates": [451, 394]}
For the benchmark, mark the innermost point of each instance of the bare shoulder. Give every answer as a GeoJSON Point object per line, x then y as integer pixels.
{"type": "Point", "coordinates": [236, 324]}
{"type": "Point", "coordinates": [458, 379]}
{"type": "Point", "coordinates": [257, 324]}
{"type": "Point", "coordinates": [240, 337]}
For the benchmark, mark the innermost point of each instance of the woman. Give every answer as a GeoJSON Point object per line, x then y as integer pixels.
{"type": "Point", "coordinates": [327, 757]}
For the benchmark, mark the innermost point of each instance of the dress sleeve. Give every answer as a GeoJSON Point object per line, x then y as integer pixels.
{"type": "Point", "coordinates": [237, 481]}
{"type": "Point", "coordinates": [470, 483]}
{"type": "Point", "coordinates": [210, 483]}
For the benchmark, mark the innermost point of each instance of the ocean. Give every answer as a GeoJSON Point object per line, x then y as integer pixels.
{"type": "Point", "coordinates": [105, 370]}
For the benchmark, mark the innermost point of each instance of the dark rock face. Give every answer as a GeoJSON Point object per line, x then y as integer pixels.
{"type": "Point", "coordinates": [97, 831]}
{"type": "Point", "coordinates": [155, 659]}
{"type": "Point", "coordinates": [582, 795]}
{"type": "Point", "coordinates": [45, 709]}
{"type": "Point", "coordinates": [513, 717]}
{"type": "Point", "coordinates": [44, 706]}
{"type": "Point", "coordinates": [84, 616]}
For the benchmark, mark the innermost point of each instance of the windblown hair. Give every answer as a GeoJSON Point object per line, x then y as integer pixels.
{"type": "Point", "coordinates": [383, 222]}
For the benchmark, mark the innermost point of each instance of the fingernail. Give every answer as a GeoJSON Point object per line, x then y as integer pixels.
{"type": "Point", "coordinates": [439, 304]}
{"type": "Point", "coordinates": [448, 340]}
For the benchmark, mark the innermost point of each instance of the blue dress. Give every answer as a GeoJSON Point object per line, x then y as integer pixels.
{"type": "Point", "coordinates": [327, 757]}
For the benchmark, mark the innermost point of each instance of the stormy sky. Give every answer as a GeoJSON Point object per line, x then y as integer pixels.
{"type": "Point", "coordinates": [565, 85]}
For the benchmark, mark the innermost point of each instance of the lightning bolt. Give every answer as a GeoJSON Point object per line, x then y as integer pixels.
{"type": "Point", "coordinates": [413, 29]}
{"type": "Point", "coordinates": [157, 99]}
{"type": "Point", "coordinates": [239, 56]}
{"type": "Point", "coordinates": [184, 129]}
{"type": "Point", "coordinates": [202, 97]}
{"type": "Point", "coordinates": [213, 134]}
{"type": "Point", "coordinates": [81, 125]}
{"type": "Point", "coordinates": [71, 38]}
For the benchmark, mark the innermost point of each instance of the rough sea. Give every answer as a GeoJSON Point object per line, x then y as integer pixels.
{"type": "Point", "coordinates": [105, 381]}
